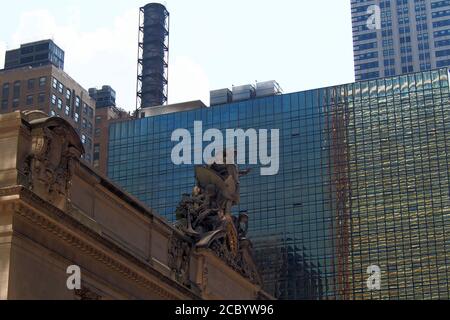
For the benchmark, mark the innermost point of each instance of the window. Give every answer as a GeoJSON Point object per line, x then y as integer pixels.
{"type": "Point", "coordinates": [53, 99]}
{"type": "Point", "coordinates": [41, 98]}
{"type": "Point", "coordinates": [60, 87]}
{"type": "Point", "coordinates": [67, 111]}
{"type": "Point", "coordinates": [97, 132]}
{"type": "Point", "coordinates": [26, 60]}
{"type": "Point", "coordinates": [16, 90]}
{"type": "Point", "coordinates": [90, 112]}
{"type": "Point", "coordinates": [5, 91]}
{"type": "Point", "coordinates": [84, 123]}
{"type": "Point", "coordinates": [30, 84]}
{"type": "Point", "coordinates": [98, 120]}
{"type": "Point", "coordinates": [76, 116]}
{"type": "Point", "coordinates": [85, 108]}
{"type": "Point", "coordinates": [4, 104]}
{"type": "Point", "coordinates": [77, 103]}
{"type": "Point", "coordinates": [83, 139]}
{"type": "Point", "coordinates": [52, 113]}
{"type": "Point", "coordinates": [68, 94]}
{"type": "Point", "coordinates": [26, 50]}
{"type": "Point", "coordinates": [54, 83]}
{"type": "Point", "coordinates": [29, 100]}
{"type": "Point", "coordinates": [42, 81]}
{"type": "Point", "coordinates": [59, 104]}
{"type": "Point", "coordinates": [16, 103]}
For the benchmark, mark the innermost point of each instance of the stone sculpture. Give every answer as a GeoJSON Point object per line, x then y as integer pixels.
{"type": "Point", "coordinates": [206, 217]}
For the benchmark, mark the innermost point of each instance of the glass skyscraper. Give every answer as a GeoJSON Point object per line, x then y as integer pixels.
{"type": "Point", "coordinates": [409, 36]}
{"type": "Point", "coordinates": [363, 181]}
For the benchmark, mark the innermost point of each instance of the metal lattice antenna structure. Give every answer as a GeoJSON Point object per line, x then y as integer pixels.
{"type": "Point", "coordinates": [153, 56]}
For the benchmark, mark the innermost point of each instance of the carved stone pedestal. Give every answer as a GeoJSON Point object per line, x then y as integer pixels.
{"type": "Point", "coordinates": [217, 282]}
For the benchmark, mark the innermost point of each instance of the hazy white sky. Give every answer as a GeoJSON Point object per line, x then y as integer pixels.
{"type": "Point", "coordinates": [303, 44]}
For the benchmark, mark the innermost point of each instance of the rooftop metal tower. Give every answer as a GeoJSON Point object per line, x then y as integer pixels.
{"type": "Point", "coordinates": [153, 56]}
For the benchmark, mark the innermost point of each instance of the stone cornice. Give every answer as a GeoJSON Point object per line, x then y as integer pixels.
{"type": "Point", "coordinates": [51, 219]}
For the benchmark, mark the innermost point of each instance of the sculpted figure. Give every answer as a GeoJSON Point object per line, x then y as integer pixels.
{"type": "Point", "coordinates": [206, 216]}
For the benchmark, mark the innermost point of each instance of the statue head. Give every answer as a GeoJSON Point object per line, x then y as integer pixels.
{"type": "Point", "coordinates": [196, 191]}
{"type": "Point", "coordinates": [243, 224]}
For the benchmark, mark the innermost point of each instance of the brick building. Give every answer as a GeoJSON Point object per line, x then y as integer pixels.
{"type": "Point", "coordinates": [46, 87]}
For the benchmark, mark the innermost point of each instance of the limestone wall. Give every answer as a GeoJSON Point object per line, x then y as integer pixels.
{"type": "Point", "coordinates": [56, 212]}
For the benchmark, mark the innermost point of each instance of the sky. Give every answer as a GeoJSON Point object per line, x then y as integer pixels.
{"type": "Point", "coordinates": [213, 44]}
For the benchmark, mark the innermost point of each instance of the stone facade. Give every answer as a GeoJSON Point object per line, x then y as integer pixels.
{"type": "Point", "coordinates": [56, 212]}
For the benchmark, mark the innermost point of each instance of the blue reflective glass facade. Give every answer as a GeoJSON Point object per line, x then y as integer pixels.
{"type": "Point", "coordinates": [363, 180]}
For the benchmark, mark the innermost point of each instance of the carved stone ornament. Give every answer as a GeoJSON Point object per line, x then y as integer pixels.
{"type": "Point", "coordinates": [179, 259]}
{"type": "Point", "coordinates": [55, 151]}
